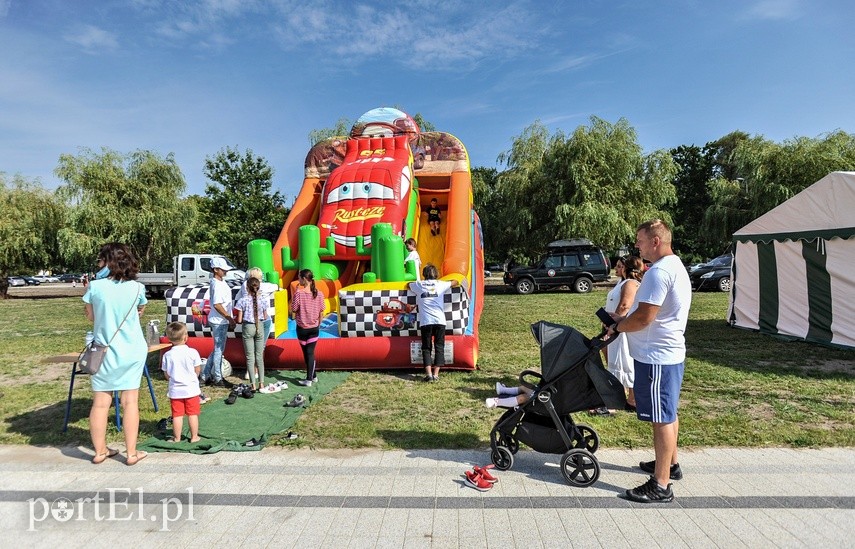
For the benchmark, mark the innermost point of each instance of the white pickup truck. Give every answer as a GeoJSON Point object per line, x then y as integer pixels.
{"type": "Point", "coordinates": [187, 269]}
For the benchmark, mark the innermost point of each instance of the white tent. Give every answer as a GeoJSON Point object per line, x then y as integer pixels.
{"type": "Point", "coordinates": [794, 266]}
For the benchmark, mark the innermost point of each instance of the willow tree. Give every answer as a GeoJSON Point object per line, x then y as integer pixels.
{"type": "Point", "coordinates": [769, 173]}
{"type": "Point", "coordinates": [133, 198]}
{"type": "Point", "coordinates": [596, 183]}
{"type": "Point", "coordinates": [29, 219]}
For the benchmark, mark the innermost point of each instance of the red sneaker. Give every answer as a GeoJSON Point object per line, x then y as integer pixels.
{"type": "Point", "coordinates": [485, 474]}
{"type": "Point", "coordinates": [477, 481]}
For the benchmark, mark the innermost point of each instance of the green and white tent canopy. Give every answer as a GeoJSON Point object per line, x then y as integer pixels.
{"type": "Point", "coordinates": [794, 266]}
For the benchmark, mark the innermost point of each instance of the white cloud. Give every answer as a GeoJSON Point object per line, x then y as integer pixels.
{"type": "Point", "coordinates": [554, 119]}
{"type": "Point", "coordinates": [774, 10]}
{"type": "Point", "coordinates": [93, 39]}
{"type": "Point", "coordinates": [423, 36]}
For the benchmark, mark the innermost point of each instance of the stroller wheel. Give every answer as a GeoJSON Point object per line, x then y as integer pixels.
{"type": "Point", "coordinates": [580, 467]}
{"type": "Point", "coordinates": [510, 442]}
{"type": "Point", "coordinates": [502, 458]}
{"type": "Point", "coordinates": [586, 437]}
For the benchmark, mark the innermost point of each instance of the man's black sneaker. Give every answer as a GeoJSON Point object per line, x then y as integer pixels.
{"type": "Point", "coordinates": [650, 492]}
{"type": "Point", "coordinates": [224, 383]}
{"type": "Point", "coordinates": [650, 466]}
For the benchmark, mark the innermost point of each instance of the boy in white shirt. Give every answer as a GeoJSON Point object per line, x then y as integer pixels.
{"type": "Point", "coordinates": [181, 366]}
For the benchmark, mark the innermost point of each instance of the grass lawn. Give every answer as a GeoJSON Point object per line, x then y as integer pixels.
{"type": "Point", "coordinates": [740, 388]}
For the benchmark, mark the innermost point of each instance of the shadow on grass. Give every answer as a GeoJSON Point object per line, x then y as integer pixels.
{"type": "Point", "coordinates": [718, 343]}
{"type": "Point", "coordinates": [44, 426]}
{"type": "Point", "coordinates": [424, 440]}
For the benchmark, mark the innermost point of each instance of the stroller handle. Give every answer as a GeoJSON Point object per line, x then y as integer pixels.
{"type": "Point", "coordinates": [597, 342]}
{"type": "Point", "coordinates": [525, 383]}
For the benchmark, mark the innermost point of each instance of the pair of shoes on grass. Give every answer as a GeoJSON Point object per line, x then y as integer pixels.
{"type": "Point", "coordinates": [241, 390]}
{"type": "Point", "coordinates": [273, 388]}
{"type": "Point", "coordinates": [480, 478]}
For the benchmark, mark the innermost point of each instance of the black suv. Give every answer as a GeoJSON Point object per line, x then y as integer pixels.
{"type": "Point", "coordinates": [575, 263]}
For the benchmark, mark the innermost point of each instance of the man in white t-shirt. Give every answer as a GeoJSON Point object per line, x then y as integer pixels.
{"type": "Point", "coordinates": [219, 320]}
{"type": "Point", "coordinates": [655, 327]}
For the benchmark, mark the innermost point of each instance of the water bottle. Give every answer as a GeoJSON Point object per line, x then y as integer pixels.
{"type": "Point", "coordinates": [153, 332]}
{"type": "Point", "coordinates": [90, 337]}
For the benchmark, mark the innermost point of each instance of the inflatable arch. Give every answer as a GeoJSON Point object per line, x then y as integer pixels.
{"type": "Point", "coordinates": [362, 196]}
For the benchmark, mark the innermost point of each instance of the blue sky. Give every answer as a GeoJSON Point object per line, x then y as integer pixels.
{"type": "Point", "coordinates": [192, 77]}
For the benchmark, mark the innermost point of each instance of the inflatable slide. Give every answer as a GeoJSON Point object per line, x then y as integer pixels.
{"type": "Point", "coordinates": [361, 198]}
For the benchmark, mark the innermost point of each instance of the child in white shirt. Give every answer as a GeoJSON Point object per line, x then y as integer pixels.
{"type": "Point", "coordinates": [413, 256]}
{"type": "Point", "coordinates": [181, 366]}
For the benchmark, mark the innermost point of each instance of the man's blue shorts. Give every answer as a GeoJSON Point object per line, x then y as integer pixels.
{"type": "Point", "coordinates": [657, 391]}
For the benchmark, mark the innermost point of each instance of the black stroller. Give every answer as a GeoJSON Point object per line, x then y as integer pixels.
{"type": "Point", "coordinates": [572, 379]}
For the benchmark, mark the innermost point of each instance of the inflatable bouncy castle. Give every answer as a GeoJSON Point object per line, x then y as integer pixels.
{"type": "Point", "coordinates": [362, 197]}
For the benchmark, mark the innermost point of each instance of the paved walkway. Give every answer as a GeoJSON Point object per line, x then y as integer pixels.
{"type": "Point", "coordinates": [338, 499]}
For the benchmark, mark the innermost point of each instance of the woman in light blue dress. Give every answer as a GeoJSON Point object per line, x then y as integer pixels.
{"type": "Point", "coordinates": [110, 298]}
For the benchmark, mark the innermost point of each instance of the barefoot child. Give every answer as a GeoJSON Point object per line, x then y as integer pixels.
{"type": "Point", "coordinates": [181, 365]}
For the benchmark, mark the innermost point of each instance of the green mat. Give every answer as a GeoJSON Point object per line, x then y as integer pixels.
{"type": "Point", "coordinates": [230, 427]}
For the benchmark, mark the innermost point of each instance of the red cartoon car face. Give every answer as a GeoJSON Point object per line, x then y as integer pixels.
{"type": "Point", "coordinates": [199, 310]}
{"type": "Point", "coordinates": [372, 186]}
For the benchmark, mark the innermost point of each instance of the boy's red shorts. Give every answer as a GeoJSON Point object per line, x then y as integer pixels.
{"type": "Point", "coordinates": [185, 406]}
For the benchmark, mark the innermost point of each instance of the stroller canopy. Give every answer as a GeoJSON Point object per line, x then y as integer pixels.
{"type": "Point", "coordinates": [567, 354]}
{"type": "Point", "coordinates": [561, 347]}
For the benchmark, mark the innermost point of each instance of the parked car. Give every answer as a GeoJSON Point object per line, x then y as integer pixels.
{"type": "Point", "coordinates": [576, 263]}
{"type": "Point", "coordinates": [46, 278]}
{"type": "Point", "coordinates": [187, 270]}
{"type": "Point", "coordinates": [69, 277]}
{"type": "Point", "coordinates": [16, 281]}
{"type": "Point", "coordinates": [30, 280]}
{"type": "Point", "coordinates": [694, 267]}
{"type": "Point", "coordinates": [715, 275]}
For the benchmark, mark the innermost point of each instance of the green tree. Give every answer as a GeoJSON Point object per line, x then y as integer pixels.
{"type": "Point", "coordinates": [424, 125]}
{"type": "Point", "coordinates": [490, 205]}
{"type": "Point", "coordinates": [341, 128]}
{"type": "Point", "coordinates": [693, 198]}
{"type": "Point", "coordinates": [133, 198]}
{"type": "Point", "coordinates": [29, 219]}
{"type": "Point", "coordinates": [768, 173]}
{"type": "Point", "coordinates": [596, 183]}
{"type": "Point", "coordinates": [239, 205]}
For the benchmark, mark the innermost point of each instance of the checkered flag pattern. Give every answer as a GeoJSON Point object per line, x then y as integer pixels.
{"type": "Point", "coordinates": [358, 312]}
{"type": "Point", "coordinates": [189, 304]}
